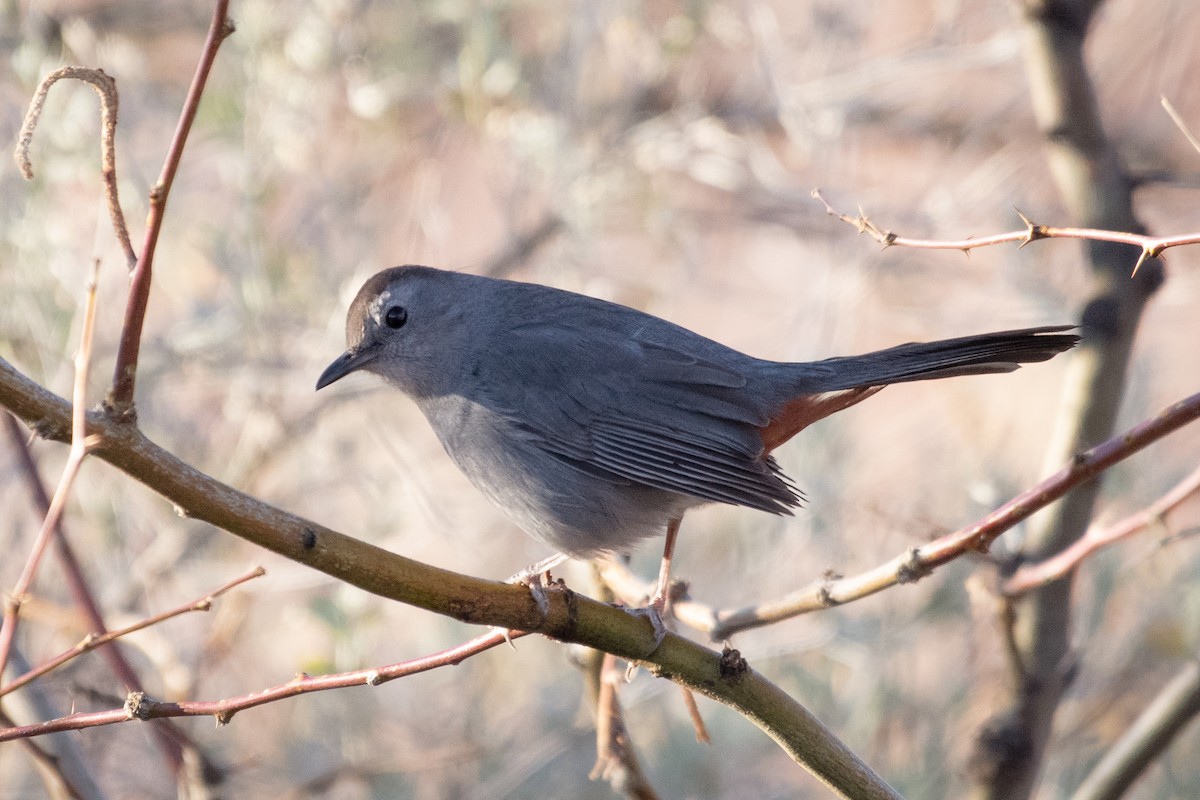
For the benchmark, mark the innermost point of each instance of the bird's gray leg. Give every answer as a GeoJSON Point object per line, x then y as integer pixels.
{"type": "Point", "coordinates": [663, 590]}
{"type": "Point", "coordinates": [657, 610]}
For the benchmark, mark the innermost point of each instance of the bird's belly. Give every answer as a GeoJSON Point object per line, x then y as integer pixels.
{"type": "Point", "coordinates": [574, 509]}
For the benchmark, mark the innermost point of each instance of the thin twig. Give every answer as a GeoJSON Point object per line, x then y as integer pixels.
{"type": "Point", "coordinates": [1177, 118]}
{"type": "Point", "coordinates": [80, 444]}
{"type": "Point", "coordinates": [120, 396]}
{"type": "Point", "coordinates": [170, 739]}
{"type": "Point", "coordinates": [93, 641]}
{"type": "Point", "coordinates": [616, 760]}
{"type": "Point", "coordinates": [1146, 738]}
{"type": "Point", "coordinates": [106, 88]}
{"type": "Point", "coordinates": [141, 706]}
{"type": "Point", "coordinates": [1031, 576]}
{"type": "Point", "coordinates": [1151, 246]}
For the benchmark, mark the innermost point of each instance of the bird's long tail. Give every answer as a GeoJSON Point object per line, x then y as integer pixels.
{"type": "Point", "coordinates": [825, 387]}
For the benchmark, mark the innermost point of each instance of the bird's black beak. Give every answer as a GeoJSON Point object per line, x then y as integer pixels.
{"type": "Point", "coordinates": [346, 363]}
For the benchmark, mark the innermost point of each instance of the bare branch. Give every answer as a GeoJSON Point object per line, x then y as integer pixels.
{"type": "Point", "coordinates": [915, 564]}
{"type": "Point", "coordinates": [140, 706]}
{"type": "Point", "coordinates": [1151, 246]}
{"type": "Point", "coordinates": [80, 446]}
{"type": "Point", "coordinates": [93, 641]}
{"type": "Point", "coordinates": [120, 396]}
{"type": "Point", "coordinates": [616, 760]}
{"type": "Point", "coordinates": [1145, 740]}
{"type": "Point", "coordinates": [1031, 576]}
{"type": "Point", "coordinates": [1180, 123]}
{"type": "Point", "coordinates": [569, 617]}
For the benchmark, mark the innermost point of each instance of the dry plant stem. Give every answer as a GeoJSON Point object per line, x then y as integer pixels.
{"type": "Point", "coordinates": [170, 739]}
{"type": "Point", "coordinates": [689, 702]}
{"type": "Point", "coordinates": [1031, 576]}
{"type": "Point", "coordinates": [570, 617]}
{"type": "Point", "coordinates": [120, 397]}
{"type": "Point", "coordinates": [141, 706]}
{"type": "Point", "coordinates": [1151, 246]}
{"type": "Point", "coordinates": [920, 561]}
{"type": "Point", "coordinates": [106, 88]}
{"type": "Point", "coordinates": [79, 451]}
{"type": "Point", "coordinates": [1153, 731]}
{"type": "Point", "coordinates": [616, 757]}
{"type": "Point", "coordinates": [49, 764]}
{"type": "Point", "coordinates": [1180, 123]}
{"type": "Point", "coordinates": [616, 760]}
{"type": "Point", "coordinates": [93, 641]}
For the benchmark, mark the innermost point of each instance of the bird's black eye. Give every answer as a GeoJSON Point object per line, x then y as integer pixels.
{"type": "Point", "coordinates": [395, 317]}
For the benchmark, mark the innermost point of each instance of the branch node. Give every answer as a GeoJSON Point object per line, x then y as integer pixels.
{"type": "Point", "coordinates": [913, 569]}
{"type": "Point", "coordinates": [732, 665]}
{"type": "Point", "coordinates": [140, 706]}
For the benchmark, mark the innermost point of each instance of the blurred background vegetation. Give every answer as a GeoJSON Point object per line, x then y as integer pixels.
{"type": "Point", "coordinates": [659, 154]}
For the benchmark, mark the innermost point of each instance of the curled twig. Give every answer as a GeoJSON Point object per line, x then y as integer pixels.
{"type": "Point", "coordinates": [106, 88]}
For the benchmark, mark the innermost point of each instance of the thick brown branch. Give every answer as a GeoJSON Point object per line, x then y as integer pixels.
{"type": "Point", "coordinates": [570, 617]}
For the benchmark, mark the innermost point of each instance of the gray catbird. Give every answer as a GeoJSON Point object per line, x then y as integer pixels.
{"type": "Point", "coordinates": [593, 425]}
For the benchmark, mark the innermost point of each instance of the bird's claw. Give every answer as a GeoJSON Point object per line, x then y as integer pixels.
{"type": "Point", "coordinates": [653, 613]}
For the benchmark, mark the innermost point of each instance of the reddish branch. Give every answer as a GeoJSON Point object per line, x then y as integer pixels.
{"type": "Point", "coordinates": [92, 640]}
{"type": "Point", "coordinates": [1151, 246]}
{"type": "Point", "coordinates": [120, 397]}
{"type": "Point", "coordinates": [80, 444]}
{"type": "Point", "coordinates": [141, 706]}
{"type": "Point", "coordinates": [1031, 576]}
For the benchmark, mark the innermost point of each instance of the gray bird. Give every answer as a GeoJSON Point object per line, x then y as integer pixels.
{"type": "Point", "coordinates": [594, 425]}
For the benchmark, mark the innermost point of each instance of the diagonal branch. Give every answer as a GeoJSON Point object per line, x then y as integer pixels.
{"type": "Point", "coordinates": [569, 617]}
{"type": "Point", "coordinates": [80, 445]}
{"type": "Point", "coordinates": [93, 641]}
{"type": "Point", "coordinates": [1031, 576]}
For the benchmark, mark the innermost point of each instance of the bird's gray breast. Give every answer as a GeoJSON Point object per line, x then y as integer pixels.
{"type": "Point", "coordinates": [565, 502]}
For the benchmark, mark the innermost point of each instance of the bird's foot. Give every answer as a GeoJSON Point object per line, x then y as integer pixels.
{"type": "Point", "coordinates": [536, 578]}
{"type": "Point", "coordinates": [658, 612]}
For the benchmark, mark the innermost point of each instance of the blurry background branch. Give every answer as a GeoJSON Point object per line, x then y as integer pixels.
{"type": "Point", "coordinates": [1098, 194]}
